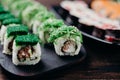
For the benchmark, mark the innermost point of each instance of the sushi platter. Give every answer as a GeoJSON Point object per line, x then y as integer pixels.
{"type": "Point", "coordinates": [34, 42]}
{"type": "Point", "coordinates": [91, 24]}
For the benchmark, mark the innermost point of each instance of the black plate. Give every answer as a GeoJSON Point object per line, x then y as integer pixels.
{"type": "Point", "coordinates": [83, 28]}
{"type": "Point", "coordinates": [49, 62]}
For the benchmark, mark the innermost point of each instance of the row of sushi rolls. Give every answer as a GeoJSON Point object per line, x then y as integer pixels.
{"type": "Point", "coordinates": [25, 25]}
{"type": "Point", "coordinates": [103, 15]}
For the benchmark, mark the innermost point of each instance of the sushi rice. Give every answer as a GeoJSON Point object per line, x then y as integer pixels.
{"type": "Point", "coordinates": [10, 35]}
{"type": "Point", "coordinates": [3, 31]}
{"type": "Point", "coordinates": [71, 51]}
{"type": "Point", "coordinates": [5, 46]}
{"type": "Point", "coordinates": [37, 54]}
{"type": "Point", "coordinates": [24, 55]}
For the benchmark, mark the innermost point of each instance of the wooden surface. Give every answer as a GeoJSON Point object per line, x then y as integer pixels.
{"type": "Point", "coordinates": [99, 64]}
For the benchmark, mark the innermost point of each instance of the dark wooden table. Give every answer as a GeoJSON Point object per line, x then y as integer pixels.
{"type": "Point", "coordinates": [100, 63]}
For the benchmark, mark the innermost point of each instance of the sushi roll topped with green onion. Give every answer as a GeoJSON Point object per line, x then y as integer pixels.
{"type": "Point", "coordinates": [11, 21]}
{"type": "Point", "coordinates": [29, 39]}
{"type": "Point", "coordinates": [6, 3]}
{"type": "Point", "coordinates": [51, 24]}
{"type": "Point", "coordinates": [47, 27]}
{"type": "Point", "coordinates": [65, 31]}
{"type": "Point", "coordinates": [44, 15]}
{"type": "Point", "coordinates": [39, 18]}
{"type": "Point", "coordinates": [16, 7]}
{"type": "Point", "coordinates": [30, 12]}
{"type": "Point", "coordinates": [5, 24]}
{"type": "Point", "coordinates": [17, 30]}
{"type": "Point", "coordinates": [1, 7]}
{"type": "Point", "coordinates": [26, 50]}
{"type": "Point", "coordinates": [67, 40]}
{"type": "Point", "coordinates": [5, 16]}
{"type": "Point", "coordinates": [2, 10]}
{"type": "Point", "coordinates": [11, 33]}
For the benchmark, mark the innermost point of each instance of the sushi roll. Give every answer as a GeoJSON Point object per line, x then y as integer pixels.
{"type": "Point", "coordinates": [39, 19]}
{"type": "Point", "coordinates": [5, 25]}
{"type": "Point", "coordinates": [16, 7]}
{"type": "Point", "coordinates": [107, 30]}
{"type": "Point", "coordinates": [2, 10]}
{"type": "Point", "coordinates": [106, 9]}
{"type": "Point", "coordinates": [1, 7]}
{"type": "Point", "coordinates": [47, 27]}
{"type": "Point", "coordinates": [26, 50]}
{"type": "Point", "coordinates": [10, 35]}
{"type": "Point", "coordinates": [30, 12]}
{"type": "Point", "coordinates": [5, 3]}
{"type": "Point", "coordinates": [67, 40]}
{"type": "Point", "coordinates": [4, 16]}
{"type": "Point", "coordinates": [67, 5]}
